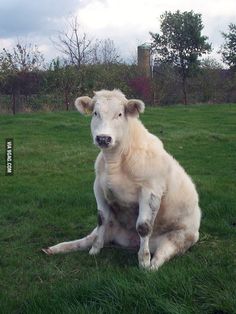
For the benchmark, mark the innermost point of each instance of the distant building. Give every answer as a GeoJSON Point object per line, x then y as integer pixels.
{"type": "Point", "coordinates": [144, 59]}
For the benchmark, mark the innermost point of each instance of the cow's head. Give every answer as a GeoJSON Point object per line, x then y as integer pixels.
{"type": "Point", "coordinates": [110, 112]}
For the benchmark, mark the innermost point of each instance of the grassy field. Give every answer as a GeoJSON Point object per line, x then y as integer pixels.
{"type": "Point", "coordinates": [50, 199]}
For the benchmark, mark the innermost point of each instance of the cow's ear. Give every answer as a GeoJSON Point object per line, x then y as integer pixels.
{"type": "Point", "coordinates": [134, 106]}
{"type": "Point", "coordinates": [84, 105]}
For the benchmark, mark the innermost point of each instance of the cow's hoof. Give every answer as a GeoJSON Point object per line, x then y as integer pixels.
{"type": "Point", "coordinates": [144, 264]}
{"type": "Point", "coordinates": [154, 267]}
{"type": "Point", "coordinates": [47, 251]}
{"type": "Point", "coordinates": [94, 251]}
{"type": "Point", "coordinates": [144, 259]}
{"type": "Point", "coordinates": [155, 264]}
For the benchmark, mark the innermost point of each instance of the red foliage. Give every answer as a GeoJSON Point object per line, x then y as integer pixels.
{"type": "Point", "coordinates": [141, 86]}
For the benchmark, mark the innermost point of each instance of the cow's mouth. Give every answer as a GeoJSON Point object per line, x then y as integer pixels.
{"type": "Point", "coordinates": [103, 145]}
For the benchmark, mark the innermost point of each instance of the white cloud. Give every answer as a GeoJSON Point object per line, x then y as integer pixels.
{"type": "Point", "coordinates": [128, 22]}
{"type": "Point", "coordinates": [6, 43]}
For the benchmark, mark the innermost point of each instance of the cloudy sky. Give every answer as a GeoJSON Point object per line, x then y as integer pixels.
{"type": "Point", "coordinates": [127, 22]}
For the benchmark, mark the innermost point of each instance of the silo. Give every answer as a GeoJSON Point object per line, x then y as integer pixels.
{"type": "Point", "coordinates": [144, 59]}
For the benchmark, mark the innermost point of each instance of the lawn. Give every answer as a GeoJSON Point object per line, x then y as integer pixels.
{"type": "Point", "coordinates": [50, 199]}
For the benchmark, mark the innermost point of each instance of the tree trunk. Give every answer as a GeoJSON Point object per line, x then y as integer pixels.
{"type": "Point", "coordinates": [184, 89]}
{"type": "Point", "coordinates": [184, 78]}
{"type": "Point", "coordinates": [66, 100]}
{"type": "Point", "coordinates": [15, 99]}
{"type": "Point", "coordinates": [14, 103]}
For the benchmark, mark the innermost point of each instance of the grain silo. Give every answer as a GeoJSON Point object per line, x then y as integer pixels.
{"type": "Point", "coordinates": [144, 59]}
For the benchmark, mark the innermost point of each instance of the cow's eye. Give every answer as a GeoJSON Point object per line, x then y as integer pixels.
{"type": "Point", "coordinates": [120, 114]}
{"type": "Point", "coordinates": [95, 113]}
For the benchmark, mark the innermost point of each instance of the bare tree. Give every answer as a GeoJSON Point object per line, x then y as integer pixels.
{"type": "Point", "coordinates": [108, 52]}
{"type": "Point", "coordinates": [76, 47]}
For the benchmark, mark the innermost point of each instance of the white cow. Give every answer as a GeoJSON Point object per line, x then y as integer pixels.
{"type": "Point", "coordinates": [144, 197]}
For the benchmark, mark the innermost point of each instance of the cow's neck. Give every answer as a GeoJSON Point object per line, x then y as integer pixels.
{"type": "Point", "coordinates": [115, 158]}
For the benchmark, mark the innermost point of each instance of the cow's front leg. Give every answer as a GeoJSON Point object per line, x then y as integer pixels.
{"type": "Point", "coordinates": [149, 204]}
{"type": "Point", "coordinates": [103, 218]}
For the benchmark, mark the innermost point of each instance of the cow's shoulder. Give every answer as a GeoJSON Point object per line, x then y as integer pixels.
{"type": "Point", "coordinates": [147, 158]}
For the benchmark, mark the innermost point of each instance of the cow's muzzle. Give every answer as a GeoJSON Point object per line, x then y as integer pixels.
{"type": "Point", "coordinates": [103, 140]}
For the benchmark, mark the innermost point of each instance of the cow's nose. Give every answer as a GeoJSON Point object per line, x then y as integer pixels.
{"type": "Point", "coordinates": [103, 140]}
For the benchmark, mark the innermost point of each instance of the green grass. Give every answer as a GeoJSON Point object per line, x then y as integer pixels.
{"type": "Point", "coordinates": [50, 199]}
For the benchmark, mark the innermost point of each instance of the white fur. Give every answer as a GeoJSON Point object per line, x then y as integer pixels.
{"type": "Point", "coordinates": [144, 197]}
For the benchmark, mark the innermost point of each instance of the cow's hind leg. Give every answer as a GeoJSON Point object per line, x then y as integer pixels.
{"type": "Point", "coordinates": [114, 234]}
{"type": "Point", "coordinates": [170, 244]}
{"type": "Point", "coordinates": [65, 247]}
{"type": "Point", "coordinates": [110, 233]}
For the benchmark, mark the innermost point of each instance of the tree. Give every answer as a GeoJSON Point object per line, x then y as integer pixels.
{"type": "Point", "coordinates": [228, 49]}
{"type": "Point", "coordinates": [75, 47]}
{"type": "Point", "coordinates": [166, 84]}
{"type": "Point", "coordinates": [63, 78]}
{"type": "Point", "coordinates": [209, 81]}
{"type": "Point", "coordinates": [23, 57]}
{"type": "Point", "coordinates": [107, 52]}
{"type": "Point", "coordinates": [116, 75]}
{"type": "Point", "coordinates": [20, 70]}
{"type": "Point", "coordinates": [181, 43]}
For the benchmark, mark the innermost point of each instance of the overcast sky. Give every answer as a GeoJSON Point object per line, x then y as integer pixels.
{"type": "Point", "coordinates": [127, 22]}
